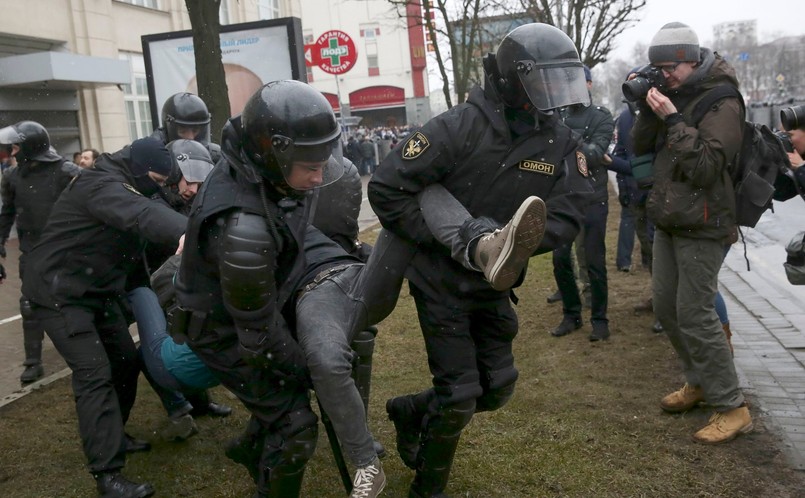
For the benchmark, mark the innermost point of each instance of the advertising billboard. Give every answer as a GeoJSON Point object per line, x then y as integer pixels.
{"type": "Point", "coordinates": [253, 54]}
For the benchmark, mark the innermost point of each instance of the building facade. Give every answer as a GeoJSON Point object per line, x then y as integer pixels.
{"type": "Point", "coordinates": [81, 73]}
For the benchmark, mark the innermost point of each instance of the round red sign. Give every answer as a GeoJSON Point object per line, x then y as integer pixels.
{"type": "Point", "coordinates": [336, 52]}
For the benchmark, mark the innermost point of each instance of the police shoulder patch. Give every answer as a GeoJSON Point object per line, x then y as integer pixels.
{"type": "Point", "coordinates": [415, 146]}
{"type": "Point", "coordinates": [129, 187]}
{"type": "Point", "coordinates": [537, 167]}
{"type": "Point", "coordinates": [581, 162]}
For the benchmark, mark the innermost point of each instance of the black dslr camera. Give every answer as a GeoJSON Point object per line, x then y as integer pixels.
{"type": "Point", "coordinates": [793, 117]}
{"type": "Point", "coordinates": [785, 140]}
{"type": "Point", "coordinates": [647, 76]}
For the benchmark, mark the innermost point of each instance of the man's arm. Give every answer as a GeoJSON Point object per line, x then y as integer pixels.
{"type": "Point", "coordinates": [566, 205]}
{"type": "Point", "coordinates": [8, 213]}
{"type": "Point", "coordinates": [423, 159]}
{"type": "Point", "coordinates": [120, 206]}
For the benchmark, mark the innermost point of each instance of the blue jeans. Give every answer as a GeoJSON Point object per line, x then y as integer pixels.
{"type": "Point", "coordinates": [152, 327]}
{"type": "Point", "coordinates": [328, 317]}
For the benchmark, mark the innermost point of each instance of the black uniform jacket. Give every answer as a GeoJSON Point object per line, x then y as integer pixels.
{"type": "Point", "coordinates": [198, 283]}
{"type": "Point", "coordinates": [29, 191]}
{"type": "Point", "coordinates": [471, 152]}
{"type": "Point", "coordinates": [95, 235]}
{"type": "Point", "coordinates": [596, 126]}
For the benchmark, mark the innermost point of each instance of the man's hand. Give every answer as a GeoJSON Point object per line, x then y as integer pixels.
{"type": "Point", "coordinates": [660, 104]}
{"type": "Point", "coordinates": [607, 159]}
{"type": "Point", "coordinates": [181, 245]}
{"type": "Point", "coordinates": [794, 158]}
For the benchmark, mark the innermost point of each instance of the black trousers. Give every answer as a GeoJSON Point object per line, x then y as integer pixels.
{"type": "Point", "coordinates": [595, 226]}
{"type": "Point", "coordinates": [94, 340]}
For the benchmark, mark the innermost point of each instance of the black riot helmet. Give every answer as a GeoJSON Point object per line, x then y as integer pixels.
{"type": "Point", "coordinates": [538, 66]}
{"type": "Point", "coordinates": [287, 122]}
{"type": "Point", "coordinates": [33, 140]}
{"type": "Point", "coordinates": [190, 160]}
{"type": "Point", "coordinates": [185, 110]}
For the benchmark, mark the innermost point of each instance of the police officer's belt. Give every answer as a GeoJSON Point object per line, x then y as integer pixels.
{"type": "Point", "coordinates": [322, 276]}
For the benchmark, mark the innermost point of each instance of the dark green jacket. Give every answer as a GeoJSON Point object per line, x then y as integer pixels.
{"type": "Point", "coordinates": [693, 194]}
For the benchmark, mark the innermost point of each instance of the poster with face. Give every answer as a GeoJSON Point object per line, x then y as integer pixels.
{"type": "Point", "coordinates": [253, 54]}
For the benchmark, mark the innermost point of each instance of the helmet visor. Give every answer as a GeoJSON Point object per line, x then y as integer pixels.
{"type": "Point", "coordinates": [306, 166]}
{"type": "Point", "coordinates": [553, 86]}
{"type": "Point", "coordinates": [10, 135]}
{"type": "Point", "coordinates": [194, 168]}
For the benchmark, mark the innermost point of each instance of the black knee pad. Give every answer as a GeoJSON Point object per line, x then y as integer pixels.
{"type": "Point", "coordinates": [499, 389]}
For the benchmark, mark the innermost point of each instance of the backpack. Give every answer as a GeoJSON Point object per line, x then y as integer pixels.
{"type": "Point", "coordinates": [759, 161]}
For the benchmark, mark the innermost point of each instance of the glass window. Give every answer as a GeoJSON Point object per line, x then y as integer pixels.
{"type": "Point", "coordinates": [223, 13]}
{"type": "Point", "coordinates": [151, 4]}
{"type": "Point", "coordinates": [135, 94]}
{"type": "Point", "coordinates": [268, 9]}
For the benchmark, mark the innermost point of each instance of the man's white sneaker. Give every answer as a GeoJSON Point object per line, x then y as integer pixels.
{"type": "Point", "coordinates": [369, 481]}
{"type": "Point", "coordinates": [504, 253]}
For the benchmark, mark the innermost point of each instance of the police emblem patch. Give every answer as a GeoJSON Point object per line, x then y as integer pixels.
{"type": "Point", "coordinates": [537, 167]}
{"type": "Point", "coordinates": [129, 187]}
{"type": "Point", "coordinates": [581, 162]}
{"type": "Point", "coordinates": [415, 146]}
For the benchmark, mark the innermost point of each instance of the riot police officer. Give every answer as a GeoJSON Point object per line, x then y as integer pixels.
{"type": "Point", "coordinates": [491, 153]}
{"type": "Point", "coordinates": [185, 116]}
{"type": "Point", "coordinates": [75, 279]}
{"type": "Point", "coordinates": [29, 191]}
{"type": "Point", "coordinates": [244, 251]}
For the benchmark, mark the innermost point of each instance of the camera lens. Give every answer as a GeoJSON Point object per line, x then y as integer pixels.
{"type": "Point", "coordinates": [793, 117]}
{"type": "Point", "coordinates": [635, 88]}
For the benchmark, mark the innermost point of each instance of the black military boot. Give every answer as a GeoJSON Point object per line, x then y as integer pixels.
{"type": "Point", "coordinates": [408, 424]}
{"type": "Point", "coordinates": [203, 405]}
{"type": "Point", "coordinates": [434, 461]}
{"type": "Point", "coordinates": [568, 325]}
{"type": "Point", "coordinates": [133, 445]}
{"type": "Point", "coordinates": [247, 449]}
{"type": "Point", "coordinates": [33, 362]}
{"type": "Point", "coordinates": [112, 484]}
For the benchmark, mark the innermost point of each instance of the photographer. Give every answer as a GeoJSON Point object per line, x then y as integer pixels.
{"type": "Point", "coordinates": [792, 182]}
{"type": "Point", "coordinates": [692, 203]}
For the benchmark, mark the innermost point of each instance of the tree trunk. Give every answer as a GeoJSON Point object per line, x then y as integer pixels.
{"type": "Point", "coordinates": [210, 75]}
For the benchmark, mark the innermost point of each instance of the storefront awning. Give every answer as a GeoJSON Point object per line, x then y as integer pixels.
{"type": "Point", "coordinates": [62, 70]}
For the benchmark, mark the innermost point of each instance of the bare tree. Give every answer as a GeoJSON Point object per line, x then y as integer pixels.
{"type": "Point", "coordinates": [593, 25]}
{"type": "Point", "coordinates": [458, 25]}
{"type": "Point", "coordinates": [210, 76]}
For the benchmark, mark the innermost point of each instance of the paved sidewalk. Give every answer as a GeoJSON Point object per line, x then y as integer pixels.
{"type": "Point", "coordinates": [768, 325]}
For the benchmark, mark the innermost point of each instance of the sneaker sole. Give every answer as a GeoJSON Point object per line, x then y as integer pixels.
{"type": "Point", "coordinates": [525, 235]}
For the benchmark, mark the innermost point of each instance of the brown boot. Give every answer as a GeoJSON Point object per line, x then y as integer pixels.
{"type": "Point", "coordinates": [728, 333]}
{"type": "Point", "coordinates": [725, 426]}
{"type": "Point", "coordinates": [682, 400]}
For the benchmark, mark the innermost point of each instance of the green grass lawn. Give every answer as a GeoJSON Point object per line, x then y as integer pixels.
{"type": "Point", "coordinates": [584, 422]}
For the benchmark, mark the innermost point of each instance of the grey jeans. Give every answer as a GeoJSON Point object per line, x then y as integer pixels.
{"type": "Point", "coordinates": [444, 216]}
{"type": "Point", "coordinates": [328, 317]}
{"type": "Point", "coordinates": [685, 281]}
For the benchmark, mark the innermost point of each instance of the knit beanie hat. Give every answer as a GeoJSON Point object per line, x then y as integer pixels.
{"type": "Point", "coordinates": [674, 42]}
{"type": "Point", "coordinates": [149, 154]}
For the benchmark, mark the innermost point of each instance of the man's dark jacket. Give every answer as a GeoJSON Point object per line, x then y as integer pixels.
{"type": "Point", "coordinates": [471, 151]}
{"type": "Point", "coordinates": [692, 195]}
{"type": "Point", "coordinates": [95, 235]}
{"type": "Point", "coordinates": [29, 192]}
{"type": "Point", "coordinates": [595, 126]}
